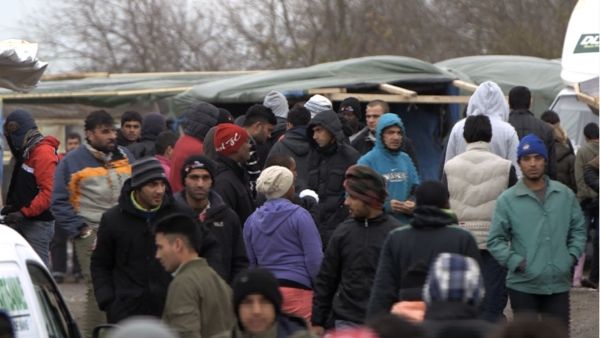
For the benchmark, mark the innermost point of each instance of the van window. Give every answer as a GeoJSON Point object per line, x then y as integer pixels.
{"type": "Point", "coordinates": [50, 302]}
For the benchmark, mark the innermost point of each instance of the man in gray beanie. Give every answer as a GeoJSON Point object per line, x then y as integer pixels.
{"type": "Point", "coordinates": [128, 280]}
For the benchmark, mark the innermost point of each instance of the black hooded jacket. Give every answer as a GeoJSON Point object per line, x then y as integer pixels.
{"type": "Point", "coordinates": [327, 171]}
{"type": "Point", "coordinates": [431, 232]}
{"type": "Point", "coordinates": [363, 143]}
{"type": "Point", "coordinates": [295, 144]}
{"type": "Point", "coordinates": [349, 266]}
{"type": "Point", "coordinates": [152, 125]}
{"type": "Point", "coordinates": [128, 279]}
{"type": "Point", "coordinates": [199, 118]}
{"type": "Point", "coordinates": [121, 140]}
{"type": "Point", "coordinates": [233, 185]}
{"type": "Point", "coordinates": [224, 224]}
{"type": "Point", "coordinates": [454, 319]}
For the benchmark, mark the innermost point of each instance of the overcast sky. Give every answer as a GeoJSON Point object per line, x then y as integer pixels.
{"type": "Point", "coordinates": [12, 19]}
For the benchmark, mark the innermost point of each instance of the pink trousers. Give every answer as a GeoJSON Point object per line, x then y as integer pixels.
{"type": "Point", "coordinates": [297, 302]}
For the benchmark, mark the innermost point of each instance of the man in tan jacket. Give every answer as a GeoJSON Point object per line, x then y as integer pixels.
{"type": "Point", "coordinates": [199, 300]}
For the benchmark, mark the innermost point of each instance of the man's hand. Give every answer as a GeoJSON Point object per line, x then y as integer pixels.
{"type": "Point", "coordinates": [522, 266]}
{"type": "Point", "coordinates": [403, 207]}
{"type": "Point", "coordinates": [318, 330]}
{"type": "Point", "coordinates": [85, 232]}
{"type": "Point", "coordinates": [14, 217]}
{"type": "Point", "coordinates": [6, 210]}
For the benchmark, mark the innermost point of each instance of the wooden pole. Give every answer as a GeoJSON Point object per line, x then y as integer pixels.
{"type": "Point", "coordinates": [388, 88]}
{"type": "Point", "coordinates": [464, 85]}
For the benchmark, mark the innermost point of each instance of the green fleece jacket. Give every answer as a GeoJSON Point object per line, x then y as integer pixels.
{"type": "Point", "coordinates": [546, 234]}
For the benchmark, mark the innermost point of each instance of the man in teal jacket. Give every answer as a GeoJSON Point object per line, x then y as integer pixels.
{"type": "Point", "coordinates": [537, 233]}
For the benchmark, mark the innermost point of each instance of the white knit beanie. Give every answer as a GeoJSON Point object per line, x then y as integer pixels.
{"type": "Point", "coordinates": [317, 104]}
{"type": "Point", "coordinates": [275, 181]}
{"type": "Point", "coordinates": [277, 103]}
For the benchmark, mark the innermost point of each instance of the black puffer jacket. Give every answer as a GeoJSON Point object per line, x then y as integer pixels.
{"type": "Point", "coordinates": [326, 172]}
{"type": "Point", "coordinates": [295, 144]}
{"type": "Point", "coordinates": [224, 224]}
{"type": "Point", "coordinates": [199, 118]}
{"type": "Point", "coordinates": [152, 125]}
{"type": "Point", "coordinates": [349, 266]}
{"type": "Point", "coordinates": [526, 123]}
{"type": "Point", "coordinates": [453, 319]}
{"type": "Point", "coordinates": [365, 141]}
{"type": "Point", "coordinates": [429, 234]}
{"type": "Point", "coordinates": [565, 165]}
{"type": "Point", "coordinates": [128, 279]}
{"type": "Point", "coordinates": [233, 185]}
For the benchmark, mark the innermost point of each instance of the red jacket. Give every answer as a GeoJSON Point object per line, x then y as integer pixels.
{"type": "Point", "coordinates": [185, 147]}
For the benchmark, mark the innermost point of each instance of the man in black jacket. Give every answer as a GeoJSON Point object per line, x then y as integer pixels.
{"type": "Point", "coordinates": [232, 182]}
{"type": "Point", "coordinates": [432, 231]}
{"type": "Point", "coordinates": [351, 259]}
{"type": "Point", "coordinates": [525, 123]}
{"type": "Point", "coordinates": [198, 176]}
{"type": "Point", "coordinates": [328, 160]}
{"type": "Point", "coordinates": [131, 125]}
{"type": "Point", "coordinates": [128, 279]}
{"type": "Point", "coordinates": [152, 125]}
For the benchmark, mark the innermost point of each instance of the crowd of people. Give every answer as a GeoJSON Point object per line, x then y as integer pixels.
{"type": "Point", "coordinates": [297, 222]}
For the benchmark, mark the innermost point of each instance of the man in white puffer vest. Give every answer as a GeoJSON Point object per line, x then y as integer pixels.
{"type": "Point", "coordinates": [475, 180]}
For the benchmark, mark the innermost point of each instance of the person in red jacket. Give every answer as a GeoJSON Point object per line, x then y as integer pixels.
{"type": "Point", "coordinates": [30, 191]}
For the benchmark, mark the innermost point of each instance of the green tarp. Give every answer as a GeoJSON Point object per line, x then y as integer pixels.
{"type": "Point", "coordinates": [366, 71]}
{"type": "Point", "coordinates": [541, 76]}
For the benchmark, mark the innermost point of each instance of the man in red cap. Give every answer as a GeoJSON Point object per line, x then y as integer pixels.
{"type": "Point", "coordinates": [232, 182]}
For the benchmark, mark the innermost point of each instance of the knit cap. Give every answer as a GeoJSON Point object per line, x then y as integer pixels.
{"type": "Point", "coordinates": [366, 184]}
{"type": "Point", "coordinates": [531, 144]}
{"type": "Point", "coordinates": [351, 104]}
{"type": "Point", "coordinates": [275, 181]}
{"type": "Point", "coordinates": [454, 278]}
{"type": "Point", "coordinates": [277, 103]}
{"type": "Point", "coordinates": [197, 162]}
{"type": "Point", "coordinates": [146, 170]}
{"type": "Point", "coordinates": [224, 116]}
{"type": "Point", "coordinates": [432, 193]}
{"type": "Point", "coordinates": [229, 138]}
{"type": "Point", "coordinates": [317, 104]}
{"type": "Point", "coordinates": [256, 280]}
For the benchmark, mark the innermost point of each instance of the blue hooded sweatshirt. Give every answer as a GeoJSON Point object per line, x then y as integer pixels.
{"type": "Point", "coordinates": [397, 167]}
{"type": "Point", "coordinates": [282, 237]}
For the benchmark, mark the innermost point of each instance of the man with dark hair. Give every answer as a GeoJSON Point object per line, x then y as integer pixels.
{"type": "Point", "coordinates": [131, 128]}
{"type": "Point", "coordinates": [88, 182]}
{"type": "Point", "coordinates": [200, 117]}
{"type": "Point", "coordinates": [73, 141]}
{"type": "Point", "coordinates": [350, 262]}
{"type": "Point", "coordinates": [128, 279]}
{"type": "Point", "coordinates": [553, 121]}
{"type": "Point", "coordinates": [198, 175]}
{"type": "Point", "coordinates": [279, 106]}
{"type": "Point", "coordinates": [350, 109]}
{"type": "Point", "coordinates": [328, 160]}
{"type": "Point", "coordinates": [152, 125]}
{"type": "Point", "coordinates": [209, 141]}
{"type": "Point", "coordinates": [163, 147]}
{"type": "Point", "coordinates": [27, 208]}
{"type": "Point", "coordinates": [259, 122]}
{"type": "Point", "coordinates": [537, 233]}
{"type": "Point", "coordinates": [197, 300]}
{"type": "Point", "coordinates": [475, 180]}
{"type": "Point", "coordinates": [432, 231]}
{"type": "Point", "coordinates": [295, 144]}
{"type": "Point", "coordinates": [525, 123]}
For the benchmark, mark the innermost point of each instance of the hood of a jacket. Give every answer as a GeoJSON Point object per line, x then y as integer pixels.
{"type": "Point", "coordinates": [562, 151]}
{"type": "Point", "coordinates": [431, 217]}
{"type": "Point", "coordinates": [125, 199]}
{"type": "Point", "coordinates": [152, 125]}
{"type": "Point", "coordinates": [488, 100]}
{"type": "Point", "coordinates": [295, 139]}
{"type": "Point", "coordinates": [199, 118]}
{"type": "Point", "coordinates": [16, 127]}
{"type": "Point", "coordinates": [50, 141]}
{"type": "Point", "coordinates": [272, 214]}
{"type": "Point", "coordinates": [388, 120]}
{"type": "Point", "coordinates": [328, 120]}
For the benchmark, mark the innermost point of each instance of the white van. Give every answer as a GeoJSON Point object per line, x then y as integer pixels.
{"type": "Point", "coordinates": [28, 292]}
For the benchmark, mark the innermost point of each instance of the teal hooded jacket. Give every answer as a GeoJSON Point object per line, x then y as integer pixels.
{"type": "Point", "coordinates": [397, 167]}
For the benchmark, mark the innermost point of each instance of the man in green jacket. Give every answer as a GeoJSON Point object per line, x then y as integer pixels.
{"type": "Point", "coordinates": [537, 233]}
{"type": "Point", "coordinates": [199, 300]}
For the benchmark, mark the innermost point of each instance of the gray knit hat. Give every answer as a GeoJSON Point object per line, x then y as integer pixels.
{"type": "Point", "coordinates": [277, 103]}
{"type": "Point", "coordinates": [146, 327]}
{"type": "Point", "coordinates": [275, 181]}
{"type": "Point", "coordinates": [146, 170]}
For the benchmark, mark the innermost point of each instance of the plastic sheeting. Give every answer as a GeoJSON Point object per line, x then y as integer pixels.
{"type": "Point", "coordinates": [20, 70]}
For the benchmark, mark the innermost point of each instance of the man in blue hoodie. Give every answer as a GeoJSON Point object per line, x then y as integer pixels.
{"type": "Point", "coordinates": [389, 159]}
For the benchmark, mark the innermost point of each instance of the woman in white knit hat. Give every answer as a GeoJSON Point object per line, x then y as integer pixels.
{"type": "Point", "coordinates": [283, 238]}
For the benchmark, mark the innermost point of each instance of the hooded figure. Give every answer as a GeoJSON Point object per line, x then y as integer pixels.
{"type": "Point", "coordinates": [488, 100]}
{"type": "Point", "coordinates": [394, 165]}
{"type": "Point", "coordinates": [152, 125]}
{"type": "Point", "coordinates": [327, 167]}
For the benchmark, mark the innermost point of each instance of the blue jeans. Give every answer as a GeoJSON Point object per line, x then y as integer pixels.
{"type": "Point", "coordinates": [494, 280]}
{"type": "Point", "coordinates": [38, 234]}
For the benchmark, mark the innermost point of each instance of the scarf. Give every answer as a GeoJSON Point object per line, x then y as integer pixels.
{"type": "Point", "coordinates": [34, 137]}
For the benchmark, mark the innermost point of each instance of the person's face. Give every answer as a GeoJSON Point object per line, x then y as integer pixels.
{"type": "Point", "coordinates": [351, 117]}
{"type": "Point", "coordinates": [392, 137]}
{"type": "Point", "coordinates": [102, 138]}
{"type": "Point", "coordinates": [262, 132]}
{"type": "Point", "coordinates": [373, 115]}
{"type": "Point", "coordinates": [244, 152]}
{"type": "Point", "coordinates": [197, 184]}
{"type": "Point", "coordinates": [168, 152]}
{"type": "Point", "coordinates": [257, 313]}
{"type": "Point", "coordinates": [322, 136]}
{"type": "Point", "coordinates": [532, 166]}
{"type": "Point", "coordinates": [356, 207]}
{"type": "Point", "coordinates": [72, 143]}
{"type": "Point", "coordinates": [166, 252]}
{"type": "Point", "coordinates": [131, 130]}
{"type": "Point", "coordinates": [292, 168]}
{"type": "Point", "coordinates": [151, 195]}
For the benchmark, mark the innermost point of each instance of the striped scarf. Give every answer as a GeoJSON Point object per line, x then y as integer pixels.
{"type": "Point", "coordinates": [34, 137]}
